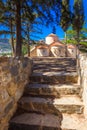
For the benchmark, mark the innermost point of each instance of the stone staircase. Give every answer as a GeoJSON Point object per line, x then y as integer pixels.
{"type": "Point", "coordinates": [52, 99]}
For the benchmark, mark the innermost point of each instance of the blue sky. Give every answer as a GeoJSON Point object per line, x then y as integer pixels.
{"type": "Point", "coordinates": [59, 31]}
{"type": "Point", "coordinates": [48, 30]}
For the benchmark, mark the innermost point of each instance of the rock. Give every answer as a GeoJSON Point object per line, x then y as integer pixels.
{"type": "Point", "coordinates": [12, 83]}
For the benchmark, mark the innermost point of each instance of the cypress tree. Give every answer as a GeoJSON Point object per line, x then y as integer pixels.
{"type": "Point", "coordinates": [65, 20]}
{"type": "Point", "coordinates": [65, 15]}
{"type": "Point", "coordinates": [78, 18]}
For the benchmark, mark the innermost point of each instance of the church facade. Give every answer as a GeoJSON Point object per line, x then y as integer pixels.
{"type": "Point", "coordinates": [53, 47]}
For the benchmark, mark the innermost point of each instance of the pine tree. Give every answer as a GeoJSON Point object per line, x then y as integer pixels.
{"type": "Point", "coordinates": [26, 8]}
{"type": "Point", "coordinates": [7, 21]}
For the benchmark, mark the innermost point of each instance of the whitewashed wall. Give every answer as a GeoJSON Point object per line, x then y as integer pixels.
{"type": "Point", "coordinates": [50, 39]}
{"type": "Point", "coordinates": [58, 51]}
{"type": "Point", "coordinates": [42, 52]}
{"type": "Point", "coordinates": [83, 79]}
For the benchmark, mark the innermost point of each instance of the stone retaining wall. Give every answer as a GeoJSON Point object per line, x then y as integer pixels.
{"type": "Point", "coordinates": [83, 79]}
{"type": "Point", "coordinates": [14, 75]}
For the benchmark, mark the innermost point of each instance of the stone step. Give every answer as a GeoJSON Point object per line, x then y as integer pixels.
{"type": "Point", "coordinates": [72, 121]}
{"type": "Point", "coordinates": [54, 65]}
{"type": "Point", "coordinates": [32, 121]}
{"type": "Point", "coordinates": [52, 59]}
{"type": "Point", "coordinates": [46, 90]}
{"type": "Point", "coordinates": [54, 77]}
{"type": "Point", "coordinates": [53, 62]}
{"type": "Point", "coordinates": [55, 68]}
{"type": "Point", "coordinates": [67, 104]}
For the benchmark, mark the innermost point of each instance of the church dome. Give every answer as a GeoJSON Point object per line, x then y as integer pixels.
{"type": "Point", "coordinates": [51, 38]}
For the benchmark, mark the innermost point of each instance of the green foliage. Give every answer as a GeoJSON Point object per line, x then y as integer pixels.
{"type": "Point", "coordinates": [83, 46]}
{"type": "Point", "coordinates": [72, 36]}
{"type": "Point", "coordinates": [24, 49]}
{"type": "Point", "coordinates": [6, 54]}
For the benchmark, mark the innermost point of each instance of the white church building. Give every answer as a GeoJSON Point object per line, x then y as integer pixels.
{"type": "Point", "coordinates": [53, 47]}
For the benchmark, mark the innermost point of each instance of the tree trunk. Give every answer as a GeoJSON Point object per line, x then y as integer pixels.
{"type": "Point", "coordinates": [28, 37]}
{"type": "Point", "coordinates": [66, 44]}
{"type": "Point", "coordinates": [28, 48]}
{"type": "Point", "coordinates": [77, 38]}
{"type": "Point", "coordinates": [12, 38]}
{"type": "Point", "coordinates": [77, 42]}
{"type": "Point", "coordinates": [18, 29]}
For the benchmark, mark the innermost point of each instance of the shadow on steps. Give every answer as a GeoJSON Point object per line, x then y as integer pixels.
{"type": "Point", "coordinates": [31, 116]}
